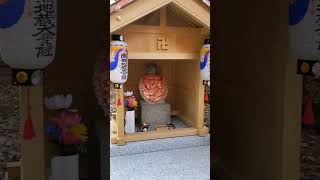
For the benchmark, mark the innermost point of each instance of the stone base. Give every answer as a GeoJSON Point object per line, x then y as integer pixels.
{"type": "Point", "coordinates": [155, 113]}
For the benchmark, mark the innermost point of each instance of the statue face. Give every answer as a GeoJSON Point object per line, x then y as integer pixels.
{"type": "Point", "coordinates": [151, 68]}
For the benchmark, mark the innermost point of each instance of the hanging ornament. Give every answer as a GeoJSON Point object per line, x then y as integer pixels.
{"type": "Point", "coordinates": [118, 60]}
{"type": "Point", "coordinates": [28, 33]}
{"type": "Point", "coordinates": [206, 96]}
{"type": "Point", "coordinates": [119, 99]}
{"type": "Point", "coordinates": [28, 132]}
{"type": "Point", "coordinates": [304, 28]}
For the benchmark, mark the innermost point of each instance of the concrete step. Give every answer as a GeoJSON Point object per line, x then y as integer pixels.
{"type": "Point", "coordinates": [158, 145]}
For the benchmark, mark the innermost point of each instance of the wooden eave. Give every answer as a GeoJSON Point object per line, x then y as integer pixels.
{"type": "Point", "coordinates": [140, 8]}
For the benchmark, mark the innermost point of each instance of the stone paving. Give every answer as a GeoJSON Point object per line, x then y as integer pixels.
{"type": "Point", "coordinates": [310, 154]}
{"type": "Point", "coordinates": [9, 122]}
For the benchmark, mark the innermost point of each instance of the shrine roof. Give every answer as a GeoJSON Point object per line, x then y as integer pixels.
{"type": "Point", "coordinates": [118, 4]}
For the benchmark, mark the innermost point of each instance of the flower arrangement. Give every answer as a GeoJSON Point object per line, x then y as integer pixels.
{"type": "Point", "coordinates": [66, 127]}
{"type": "Point", "coordinates": [130, 102]}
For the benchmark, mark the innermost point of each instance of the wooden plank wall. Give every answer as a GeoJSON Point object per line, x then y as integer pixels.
{"type": "Point", "coordinates": [186, 88]}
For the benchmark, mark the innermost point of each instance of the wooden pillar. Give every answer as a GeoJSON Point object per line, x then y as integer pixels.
{"type": "Point", "coordinates": [113, 129]}
{"type": "Point", "coordinates": [120, 117]}
{"type": "Point", "coordinates": [201, 129]}
{"type": "Point", "coordinates": [33, 150]}
{"type": "Point", "coordinates": [291, 137]}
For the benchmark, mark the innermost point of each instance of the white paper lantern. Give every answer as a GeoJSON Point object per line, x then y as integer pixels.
{"type": "Point", "coordinates": [118, 60]}
{"type": "Point", "coordinates": [304, 22]}
{"type": "Point", "coordinates": [205, 61]}
{"type": "Point", "coordinates": [28, 33]}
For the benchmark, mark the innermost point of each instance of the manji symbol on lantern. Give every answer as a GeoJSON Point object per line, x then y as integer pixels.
{"type": "Point", "coordinates": [28, 40]}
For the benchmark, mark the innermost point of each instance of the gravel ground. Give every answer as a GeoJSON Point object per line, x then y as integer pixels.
{"type": "Point", "coordinates": [310, 154]}
{"type": "Point", "coordinates": [9, 123]}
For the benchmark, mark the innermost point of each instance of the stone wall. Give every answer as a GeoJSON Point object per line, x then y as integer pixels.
{"type": "Point", "coordinates": [9, 120]}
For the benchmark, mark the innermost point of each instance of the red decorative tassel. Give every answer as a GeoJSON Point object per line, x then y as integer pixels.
{"type": "Point", "coordinates": [28, 132]}
{"type": "Point", "coordinates": [308, 116]}
{"type": "Point", "coordinates": [119, 101]}
{"type": "Point", "coordinates": [206, 96]}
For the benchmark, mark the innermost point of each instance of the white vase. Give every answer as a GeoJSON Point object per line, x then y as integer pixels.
{"type": "Point", "coordinates": [130, 122]}
{"type": "Point", "coordinates": [65, 168]}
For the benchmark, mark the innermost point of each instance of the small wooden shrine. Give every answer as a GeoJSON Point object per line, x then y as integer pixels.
{"type": "Point", "coordinates": [170, 34]}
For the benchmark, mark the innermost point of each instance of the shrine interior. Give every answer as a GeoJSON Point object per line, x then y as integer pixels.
{"type": "Point", "coordinates": [181, 77]}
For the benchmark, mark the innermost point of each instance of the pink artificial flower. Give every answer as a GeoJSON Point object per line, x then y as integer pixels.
{"type": "Point", "coordinates": [69, 139]}
{"type": "Point", "coordinates": [66, 119]}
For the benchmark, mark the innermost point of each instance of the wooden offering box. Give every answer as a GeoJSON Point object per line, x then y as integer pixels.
{"type": "Point", "coordinates": [169, 34]}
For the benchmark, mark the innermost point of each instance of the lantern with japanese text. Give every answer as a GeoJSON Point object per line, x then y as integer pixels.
{"type": "Point", "coordinates": [205, 61]}
{"type": "Point", "coordinates": [27, 43]}
{"type": "Point", "coordinates": [118, 60]}
{"type": "Point", "coordinates": [28, 33]}
{"type": "Point", "coordinates": [304, 22]}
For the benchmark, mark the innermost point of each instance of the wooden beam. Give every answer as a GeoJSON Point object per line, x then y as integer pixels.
{"type": "Point", "coordinates": [163, 17]}
{"type": "Point", "coordinates": [133, 12]}
{"type": "Point", "coordinates": [205, 31]}
{"type": "Point", "coordinates": [118, 5]}
{"type": "Point", "coordinates": [164, 56]}
{"type": "Point", "coordinates": [33, 157]}
{"type": "Point", "coordinates": [196, 9]}
{"type": "Point", "coordinates": [141, 136]}
{"type": "Point", "coordinates": [156, 29]}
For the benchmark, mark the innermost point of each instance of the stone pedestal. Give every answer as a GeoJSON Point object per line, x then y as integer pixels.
{"type": "Point", "coordinates": [155, 113]}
